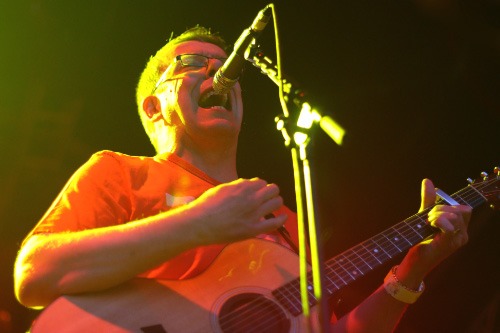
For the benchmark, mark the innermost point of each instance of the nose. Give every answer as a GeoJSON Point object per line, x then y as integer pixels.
{"type": "Point", "coordinates": [213, 66]}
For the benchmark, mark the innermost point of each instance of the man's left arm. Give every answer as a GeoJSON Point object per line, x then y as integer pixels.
{"type": "Point", "coordinates": [383, 309]}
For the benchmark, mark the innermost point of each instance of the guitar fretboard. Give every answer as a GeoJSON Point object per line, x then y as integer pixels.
{"type": "Point", "coordinates": [356, 262]}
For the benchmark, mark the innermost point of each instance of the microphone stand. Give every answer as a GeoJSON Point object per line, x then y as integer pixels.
{"type": "Point", "coordinates": [296, 130]}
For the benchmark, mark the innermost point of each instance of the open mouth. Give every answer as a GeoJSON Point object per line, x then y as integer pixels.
{"type": "Point", "coordinates": [210, 99]}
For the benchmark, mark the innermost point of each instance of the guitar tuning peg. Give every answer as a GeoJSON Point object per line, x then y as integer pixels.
{"type": "Point", "coordinates": [484, 175]}
{"type": "Point", "coordinates": [470, 181]}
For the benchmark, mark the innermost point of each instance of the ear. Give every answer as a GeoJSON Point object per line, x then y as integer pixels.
{"type": "Point", "coordinates": [152, 108]}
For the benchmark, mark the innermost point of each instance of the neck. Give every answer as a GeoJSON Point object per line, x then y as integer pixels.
{"type": "Point", "coordinates": [213, 152]}
{"type": "Point", "coordinates": [219, 162]}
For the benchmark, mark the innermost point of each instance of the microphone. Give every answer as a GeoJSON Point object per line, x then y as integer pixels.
{"type": "Point", "coordinates": [227, 76]}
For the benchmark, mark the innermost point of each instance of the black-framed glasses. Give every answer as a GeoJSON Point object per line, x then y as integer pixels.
{"type": "Point", "coordinates": [194, 61]}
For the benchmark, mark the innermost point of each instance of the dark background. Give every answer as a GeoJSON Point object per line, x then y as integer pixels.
{"type": "Point", "coordinates": [415, 83]}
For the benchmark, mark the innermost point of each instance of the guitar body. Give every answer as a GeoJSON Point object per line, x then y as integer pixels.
{"type": "Point", "coordinates": [232, 295]}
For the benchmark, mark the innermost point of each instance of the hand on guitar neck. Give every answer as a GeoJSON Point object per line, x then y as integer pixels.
{"type": "Point", "coordinates": [452, 221]}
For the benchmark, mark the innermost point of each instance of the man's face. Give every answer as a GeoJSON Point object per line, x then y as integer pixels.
{"type": "Point", "coordinates": [188, 103]}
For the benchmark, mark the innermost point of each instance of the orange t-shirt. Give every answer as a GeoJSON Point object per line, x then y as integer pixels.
{"type": "Point", "coordinates": [114, 188]}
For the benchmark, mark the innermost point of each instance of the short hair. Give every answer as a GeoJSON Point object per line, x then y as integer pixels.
{"type": "Point", "coordinates": [159, 62]}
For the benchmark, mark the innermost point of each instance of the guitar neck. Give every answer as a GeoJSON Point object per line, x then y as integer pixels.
{"type": "Point", "coordinates": [350, 265]}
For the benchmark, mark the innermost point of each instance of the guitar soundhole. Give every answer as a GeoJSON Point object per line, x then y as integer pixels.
{"type": "Point", "coordinates": [250, 312]}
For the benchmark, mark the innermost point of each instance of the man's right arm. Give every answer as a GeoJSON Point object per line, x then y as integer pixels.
{"type": "Point", "coordinates": [51, 265]}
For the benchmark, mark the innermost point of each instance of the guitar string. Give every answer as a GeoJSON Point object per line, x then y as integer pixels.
{"type": "Point", "coordinates": [467, 193]}
{"type": "Point", "coordinates": [253, 309]}
{"type": "Point", "coordinates": [390, 247]}
{"type": "Point", "coordinates": [249, 310]}
{"type": "Point", "coordinates": [403, 228]}
{"type": "Point", "coordinates": [476, 197]}
{"type": "Point", "coordinates": [249, 307]}
{"type": "Point", "coordinates": [406, 231]}
{"type": "Point", "coordinates": [268, 312]}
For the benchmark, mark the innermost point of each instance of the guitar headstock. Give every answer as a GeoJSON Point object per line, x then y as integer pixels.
{"type": "Point", "coordinates": [489, 187]}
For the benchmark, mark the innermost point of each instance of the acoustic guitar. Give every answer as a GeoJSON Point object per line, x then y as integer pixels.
{"type": "Point", "coordinates": [252, 286]}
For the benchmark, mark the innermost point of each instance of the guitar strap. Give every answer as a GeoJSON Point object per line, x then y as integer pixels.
{"type": "Point", "coordinates": [286, 236]}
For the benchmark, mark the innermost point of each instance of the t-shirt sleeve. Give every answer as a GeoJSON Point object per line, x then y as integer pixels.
{"type": "Point", "coordinates": [97, 195]}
